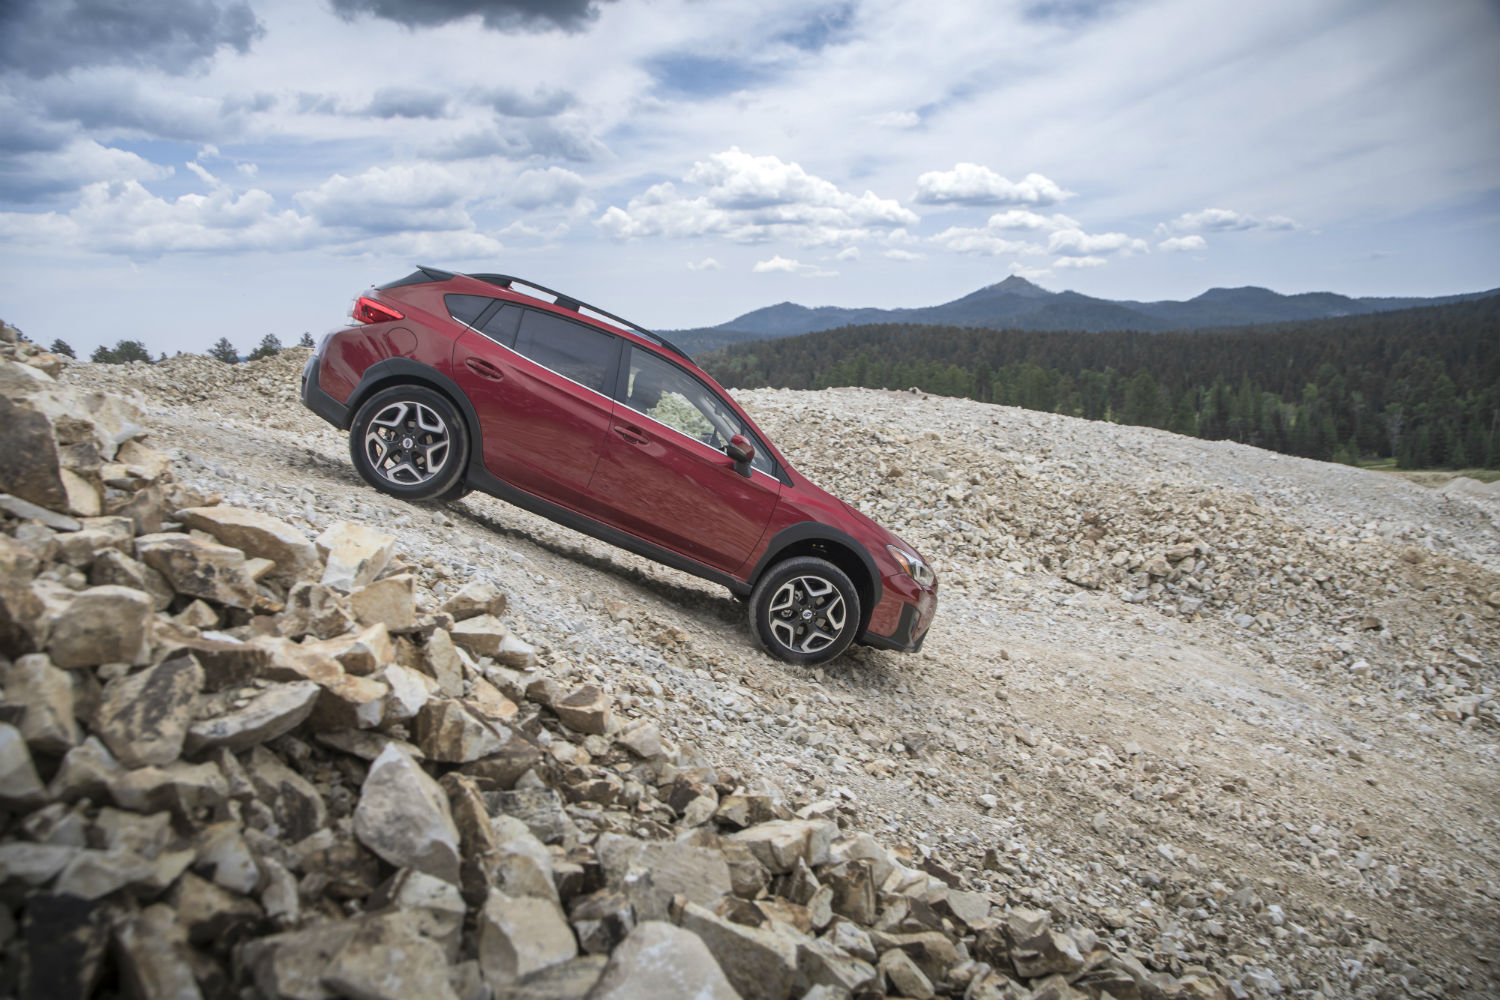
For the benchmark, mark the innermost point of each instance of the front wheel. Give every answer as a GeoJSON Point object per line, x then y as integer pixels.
{"type": "Point", "coordinates": [410, 442]}
{"type": "Point", "coordinates": [804, 610]}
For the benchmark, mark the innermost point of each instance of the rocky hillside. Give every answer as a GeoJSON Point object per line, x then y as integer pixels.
{"type": "Point", "coordinates": [1194, 720]}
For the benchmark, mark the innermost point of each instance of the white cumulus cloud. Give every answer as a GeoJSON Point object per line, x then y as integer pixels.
{"type": "Point", "coordinates": [973, 184]}
{"type": "Point", "coordinates": [751, 199]}
{"type": "Point", "coordinates": [1020, 218]}
{"type": "Point", "coordinates": [552, 186]}
{"type": "Point", "coordinates": [1029, 273]}
{"type": "Point", "coordinates": [522, 230]}
{"type": "Point", "coordinates": [39, 174]}
{"type": "Point", "coordinates": [1079, 262]}
{"type": "Point", "coordinates": [1077, 243]}
{"type": "Point", "coordinates": [1181, 243]}
{"type": "Point", "coordinates": [706, 264]}
{"type": "Point", "coordinates": [779, 263]}
{"type": "Point", "coordinates": [1222, 220]}
{"type": "Point", "coordinates": [983, 242]}
{"type": "Point", "coordinates": [407, 197]}
{"type": "Point", "coordinates": [123, 217]}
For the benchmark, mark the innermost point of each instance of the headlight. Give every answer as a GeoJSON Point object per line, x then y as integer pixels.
{"type": "Point", "coordinates": [913, 565]}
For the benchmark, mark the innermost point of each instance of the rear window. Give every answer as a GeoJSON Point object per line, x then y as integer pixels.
{"type": "Point", "coordinates": [574, 351]}
{"type": "Point", "coordinates": [466, 308]}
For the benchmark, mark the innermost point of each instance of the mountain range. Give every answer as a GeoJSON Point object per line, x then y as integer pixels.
{"type": "Point", "coordinates": [1018, 304]}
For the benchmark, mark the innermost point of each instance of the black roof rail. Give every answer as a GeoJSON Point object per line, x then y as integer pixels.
{"type": "Point", "coordinates": [507, 281]}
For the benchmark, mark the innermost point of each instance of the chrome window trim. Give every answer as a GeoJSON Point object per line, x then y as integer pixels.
{"type": "Point", "coordinates": [604, 396]}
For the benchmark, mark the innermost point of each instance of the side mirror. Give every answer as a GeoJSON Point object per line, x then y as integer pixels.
{"type": "Point", "coordinates": [742, 451]}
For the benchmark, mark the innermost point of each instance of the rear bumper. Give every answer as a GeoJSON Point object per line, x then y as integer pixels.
{"type": "Point", "coordinates": [315, 399]}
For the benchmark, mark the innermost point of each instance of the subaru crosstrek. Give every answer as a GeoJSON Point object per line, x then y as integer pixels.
{"type": "Point", "coordinates": [454, 382]}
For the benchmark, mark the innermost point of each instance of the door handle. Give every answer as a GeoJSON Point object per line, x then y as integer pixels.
{"type": "Point", "coordinates": [484, 369]}
{"type": "Point", "coordinates": [631, 434]}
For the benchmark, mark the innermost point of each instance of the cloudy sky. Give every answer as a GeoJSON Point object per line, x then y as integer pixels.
{"type": "Point", "coordinates": [179, 170]}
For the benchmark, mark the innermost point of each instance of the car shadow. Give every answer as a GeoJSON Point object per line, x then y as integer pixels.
{"type": "Point", "coordinates": [725, 607]}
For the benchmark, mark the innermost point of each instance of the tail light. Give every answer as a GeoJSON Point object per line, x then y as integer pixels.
{"type": "Point", "coordinates": [367, 310]}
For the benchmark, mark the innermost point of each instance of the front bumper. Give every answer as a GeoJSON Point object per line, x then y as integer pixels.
{"type": "Point", "coordinates": [911, 627]}
{"type": "Point", "coordinates": [315, 399]}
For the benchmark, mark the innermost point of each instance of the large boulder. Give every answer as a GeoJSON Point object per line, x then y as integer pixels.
{"type": "Point", "coordinates": [19, 783]}
{"type": "Point", "coordinates": [107, 624]}
{"type": "Point", "coordinates": [355, 554]}
{"type": "Point", "coordinates": [780, 844]}
{"type": "Point", "coordinates": [145, 717]}
{"type": "Point", "coordinates": [29, 465]}
{"type": "Point", "coordinates": [477, 597]}
{"type": "Point", "coordinates": [448, 731]}
{"type": "Point", "coordinates": [389, 602]}
{"type": "Point", "coordinates": [403, 816]}
{"type": "Point", "coordinates": [760, 962]}
{"type": "Point", "coordinates": [199, 568]}
{"type": "Point", "coordinates": [521, 935]}
{"type": "Point", "coordinates": [257, 535]}
{"type": "Point", "coordinates": [43, 695]}
{"type": "Point", "coordinates": [390, 959]}
{"type": "Point", "coordinates": [661, 962]}
{"type": "Point", "coordinates": [651, 874]}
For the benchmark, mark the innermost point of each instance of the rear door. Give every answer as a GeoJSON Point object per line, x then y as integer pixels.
{"type": "Point", "coordinates": [664, 475]}
{"type": "Point", "coordinates": [539, 384]}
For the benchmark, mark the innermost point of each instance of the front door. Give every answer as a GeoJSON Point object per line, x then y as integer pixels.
{"type": "Point", "coordinates": [665, 477]}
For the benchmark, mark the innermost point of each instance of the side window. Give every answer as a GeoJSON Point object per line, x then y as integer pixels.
{"type": "Point", "coordinates": [466, 308]}
{"type": "Point", "coordinates": [501, 326]}
{"type": "Point", "coordinates": [573, 350]}
{"type": "Point", "coordinates": [667, 394]}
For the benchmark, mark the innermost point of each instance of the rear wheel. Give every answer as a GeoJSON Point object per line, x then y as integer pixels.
{"type": "Point", "coordinates": [804, 610]}
{"type": "Point", "coordinates": [410, 442]}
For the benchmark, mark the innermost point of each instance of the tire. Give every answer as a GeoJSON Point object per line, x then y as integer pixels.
{"type": "Point", "coordinates": [410, 442]}
{"type": "Point", "coordinates": [454, 493]}
{"type": "Point", "coordinates": [804, 610]}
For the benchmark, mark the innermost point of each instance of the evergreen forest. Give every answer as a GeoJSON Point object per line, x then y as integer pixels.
{"type": "Point", "coordinates": [1421, 386]}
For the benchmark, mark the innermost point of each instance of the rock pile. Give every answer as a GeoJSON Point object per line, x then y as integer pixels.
{"type": "Point", "coordinates": [1183, 550]}
{"type": "Point", "coordinates": [236, 760]}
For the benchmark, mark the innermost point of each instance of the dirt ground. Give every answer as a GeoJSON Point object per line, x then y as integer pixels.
{"type": "Point", "coordinates": [1263, 783]}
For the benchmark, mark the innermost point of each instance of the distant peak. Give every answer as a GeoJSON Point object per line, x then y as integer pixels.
{"type": "Point", "coordinates": [1016, 286]}
{"type": "Point", "coordinates": [1239, 290]}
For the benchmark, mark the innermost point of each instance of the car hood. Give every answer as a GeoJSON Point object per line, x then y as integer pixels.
{"type": "Point", "coordinates": [880, 531]}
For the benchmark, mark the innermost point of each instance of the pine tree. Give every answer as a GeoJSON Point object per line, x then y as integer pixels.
{"type": "Point", "coordinates": [62, 347]}
{"type": "Point", "coordinates": [306, 340]}
{"type": "Point", "coordinates": [224, 351]}
{"type": "Point", "coordinates": [124, 352]}
{"type": "Point", "coordinates": [269, 344]}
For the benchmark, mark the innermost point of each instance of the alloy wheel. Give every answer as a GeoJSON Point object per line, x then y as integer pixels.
{"type": "Point", "coordinates": [407, 443]}
{"type": "Point", "coordinates": [807, 614]}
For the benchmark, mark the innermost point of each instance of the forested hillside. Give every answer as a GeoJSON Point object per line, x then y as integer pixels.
{"type": "Point", "coordinates": [1419, 385]}
{"type": "Point", "coordinates": [1017, 304]}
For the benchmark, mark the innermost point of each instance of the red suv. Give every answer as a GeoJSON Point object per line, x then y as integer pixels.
{"type": "Point", "coordinates": [452, 382]}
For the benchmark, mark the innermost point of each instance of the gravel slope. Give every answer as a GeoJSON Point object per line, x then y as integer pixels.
{"type": "Point", "coordinates": [1234, 708]}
